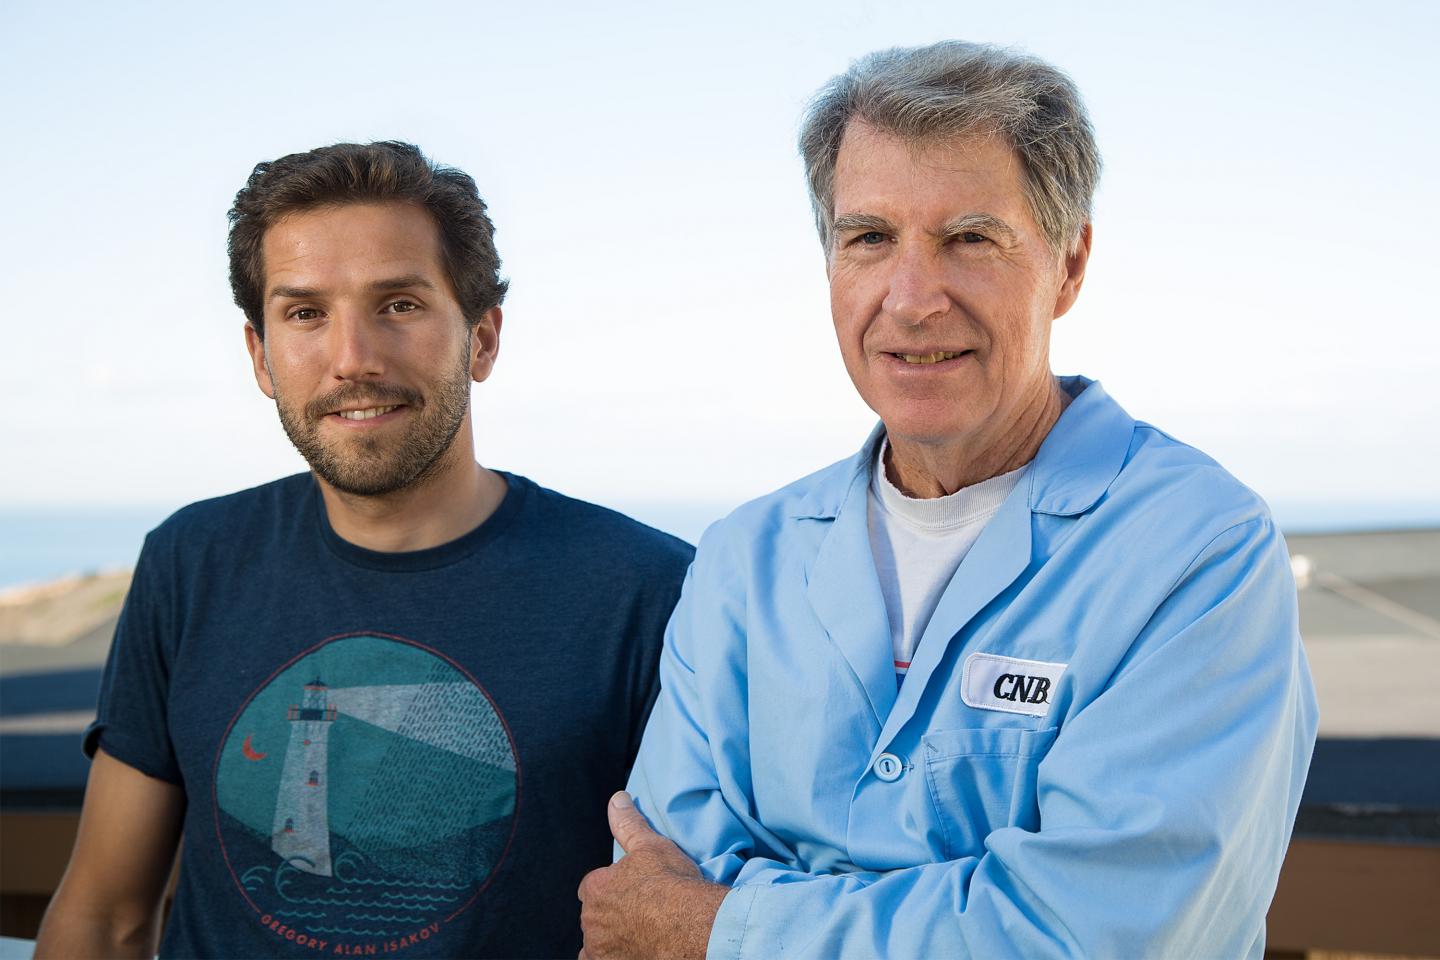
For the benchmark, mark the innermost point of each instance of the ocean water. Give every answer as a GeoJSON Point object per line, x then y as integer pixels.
{"type": "Point", "coordinates": [42, 544]}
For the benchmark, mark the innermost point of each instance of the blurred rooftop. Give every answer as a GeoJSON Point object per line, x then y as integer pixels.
{"type": "Point", "coordinates": [1370, 617]}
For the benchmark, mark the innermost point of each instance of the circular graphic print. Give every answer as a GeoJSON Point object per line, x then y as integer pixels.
{"type": "Point", "coordinates": [366, 791]}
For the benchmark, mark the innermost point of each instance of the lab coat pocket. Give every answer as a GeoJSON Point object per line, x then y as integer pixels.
{"type": "Point", "coordinates": [981, 780]}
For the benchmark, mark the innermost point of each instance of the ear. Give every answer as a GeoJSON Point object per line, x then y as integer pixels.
{"type": "Point", "coordinates": [485, 344]}
{"type": "Point", "coordinates": [1074, 266]}
{"type": "Point", "coordinates": [256, 346]}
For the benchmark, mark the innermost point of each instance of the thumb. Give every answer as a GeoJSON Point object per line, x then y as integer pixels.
{"type": "Point", "coordinates": [627, 824]}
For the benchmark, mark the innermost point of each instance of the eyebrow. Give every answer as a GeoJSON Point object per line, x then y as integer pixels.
{"type": "Point", "coordinates": [405, 282]}
{"type": "Point", "coordinates": [292, 293]}
{"type": "Point", "coordinates": [860, 221]}
{"type": "Point", "coordinates": [979, 223]}
{"type": "Point", "coordinates": [976, 222]}
{"type": "Point", "coordinates": [409, 281]}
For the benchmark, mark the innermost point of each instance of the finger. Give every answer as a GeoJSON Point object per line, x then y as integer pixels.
{"type": "Point", "coordinates": [587, 884]}
{"type": "Point", "coordinates": [627, 824]}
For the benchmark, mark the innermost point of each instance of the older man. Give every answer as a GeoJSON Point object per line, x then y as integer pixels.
{"type": "Point", "coordinates": [1022, 677]}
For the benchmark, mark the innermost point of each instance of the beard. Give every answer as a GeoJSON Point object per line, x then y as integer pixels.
{"type": "Point", "coordinates": [375, 466]}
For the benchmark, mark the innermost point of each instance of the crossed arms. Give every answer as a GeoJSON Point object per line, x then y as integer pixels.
{"type": "Point", "coordinates": [1159, 817]}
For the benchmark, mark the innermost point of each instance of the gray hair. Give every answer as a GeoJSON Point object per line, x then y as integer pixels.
{"type": "Point", "coordinates": [951, 89]}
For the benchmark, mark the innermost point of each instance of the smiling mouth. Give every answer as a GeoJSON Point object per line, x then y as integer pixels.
{"type": "Point", "coordinates": [367, 413]}
{"type": "Point", "coordinates": [935, 357]}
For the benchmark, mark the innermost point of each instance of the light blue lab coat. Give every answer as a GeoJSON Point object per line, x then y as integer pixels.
{"type": "Point", "coordinates": [1146, 813]}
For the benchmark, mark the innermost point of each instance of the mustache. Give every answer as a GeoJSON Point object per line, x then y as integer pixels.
{"type": "Point", "coordinates": [367, 394]}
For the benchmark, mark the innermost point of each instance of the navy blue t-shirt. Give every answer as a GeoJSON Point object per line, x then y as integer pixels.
{"type": "Point", "coordinates": [387, 752]}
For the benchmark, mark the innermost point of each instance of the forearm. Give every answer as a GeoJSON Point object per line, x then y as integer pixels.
{"type": "Point", "coordinates": [108, 902]}
{"type": "Point", "coordinates": [75, 928]}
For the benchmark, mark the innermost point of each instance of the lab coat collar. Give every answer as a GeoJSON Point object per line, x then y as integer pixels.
{"type": "Point", "coordinates": [1083, 453]}
{"type": "Point", "coordinates": [1075, 465]}
{"type": "Point", "coordinates": [834, 485]}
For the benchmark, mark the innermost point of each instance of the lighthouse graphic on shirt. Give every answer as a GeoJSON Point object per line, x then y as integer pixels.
{"type": "Point", "coordinates": [366, 791]}
{"type": "Point", "coordinates": [302, 822]}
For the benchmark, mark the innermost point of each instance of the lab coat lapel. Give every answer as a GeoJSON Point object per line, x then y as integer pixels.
{"type": "Point", "coordinates": [1001, 554]}
{"type": "Point", "coordinates": [844, 591]}
{"type": "Point", "coordinates": [1071, 471]}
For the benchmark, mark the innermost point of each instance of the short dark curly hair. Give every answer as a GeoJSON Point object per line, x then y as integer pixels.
{"type": "Point", "coordinates": [381, 172]}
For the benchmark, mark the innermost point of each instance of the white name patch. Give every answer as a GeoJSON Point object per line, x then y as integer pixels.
{"type": "Point", "coordinates": [992, 682]}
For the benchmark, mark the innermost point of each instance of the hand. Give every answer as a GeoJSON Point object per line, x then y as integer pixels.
{"type": "Point", "coordinates": [652, 903]}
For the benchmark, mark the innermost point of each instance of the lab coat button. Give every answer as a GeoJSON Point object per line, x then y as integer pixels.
{"type": "Point", "coordinates": [889, 767]}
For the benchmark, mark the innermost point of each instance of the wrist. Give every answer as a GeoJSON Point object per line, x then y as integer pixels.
{"type": "Point", "coordinates": [698, 904]}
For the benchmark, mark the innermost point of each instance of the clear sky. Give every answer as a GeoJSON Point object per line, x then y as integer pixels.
{"type": "Point", "coordinates": [1261, 284]}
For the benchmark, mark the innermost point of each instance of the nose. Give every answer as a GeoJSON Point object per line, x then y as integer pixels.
{"type": "Point", "coordinates": [917, 285]}
{"type": "Point", "coordinates": [355, 346]}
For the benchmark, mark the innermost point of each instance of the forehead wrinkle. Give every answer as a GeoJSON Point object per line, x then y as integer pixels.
{"type": "Point", "coordinates": [986, 159]}
{"type": "Point", "coordinates": [311, 239]}
{"type": "Point", "coordinates": [945, 150]}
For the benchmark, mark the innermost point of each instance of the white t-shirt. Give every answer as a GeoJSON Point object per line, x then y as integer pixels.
{"type": "Point", "coordinates": [918, 545]}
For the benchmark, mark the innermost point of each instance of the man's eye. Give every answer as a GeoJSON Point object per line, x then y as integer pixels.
{"type": "Point", "coordinates": [305, 313]}
{"type": "Point", "coordinates": [402, 306]}
{"type": "Point", "coordinates": [969, 237]}
{"type": "Point", "coordinates": [871, 237]}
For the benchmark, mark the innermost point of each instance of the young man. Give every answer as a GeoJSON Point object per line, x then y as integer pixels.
{"type": "Point", "coordinates": [384, 701]}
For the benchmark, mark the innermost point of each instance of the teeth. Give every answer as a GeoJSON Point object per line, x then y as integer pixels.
{"type": "Point", "coordinates": [927, 357]}
{"type": "Point", "coordinates": [367, 413]}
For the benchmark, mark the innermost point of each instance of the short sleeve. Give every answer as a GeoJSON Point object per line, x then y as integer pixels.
{"type": "Point", "coordinates": [131, 717]}
{"type": "Point", "coordinates": [661, 595]}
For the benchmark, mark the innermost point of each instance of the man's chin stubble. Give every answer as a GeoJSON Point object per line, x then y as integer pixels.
{"type": "Point", "coordinates": [415, 459]}
{"type": "Point", "coordinates": [369, 470]}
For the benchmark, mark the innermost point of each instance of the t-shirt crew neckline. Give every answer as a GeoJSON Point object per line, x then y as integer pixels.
{"type": "Point", "coordinates": [965, 506]}
{"type": "Point", "coordinates": [431, 558]}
